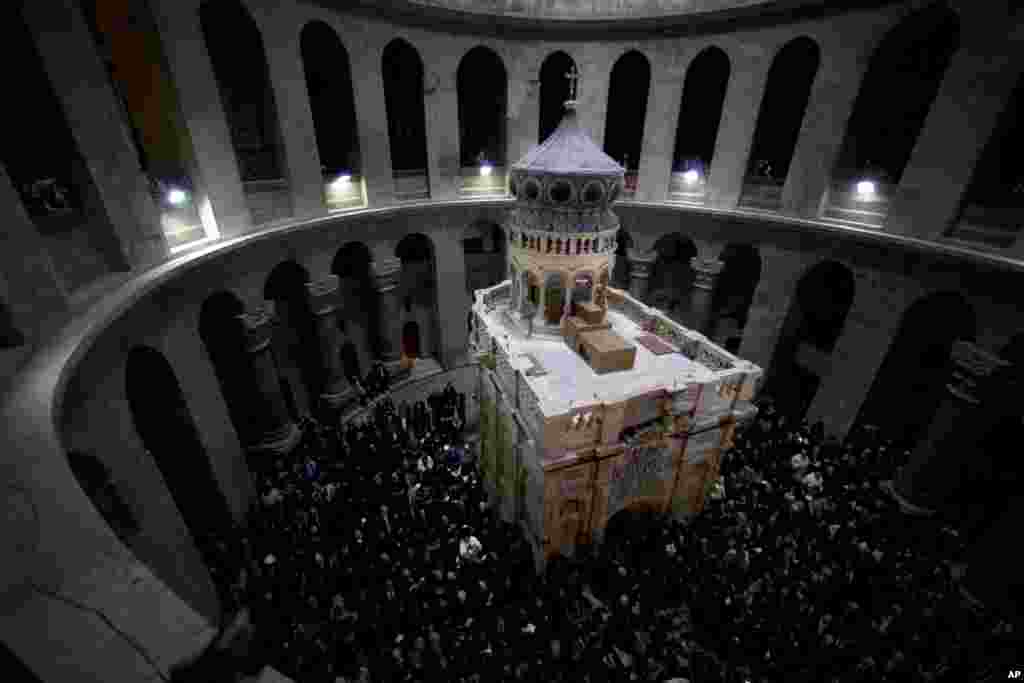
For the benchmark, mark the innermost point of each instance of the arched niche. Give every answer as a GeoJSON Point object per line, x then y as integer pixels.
{"type": "Point", "coordinates": [910, 382]}
{"type": "Point", "coordinates": [554, 91]}
{"type": "Point", "coordinates": [167, 429]}
{"type": "Point", "coordinates": [418, 286]}
{"type": "Point", "coordinates": [786, 94]}
{"type": "Point", "coordinates": [295, 339]}
{"type": "Point", "coordinates": [403, 74]}
{"type": "Point", "coordinates": [672, 273]}
{"type": "Point", "coordinates": [734, 293]}
{"type": "Point", "coordinates": [482, 88]}
{"type": "Point", "coordinates": [700, 114]}
{"type": "Point", "coordinates": [628, 92]}
{"type": "Point", "coordinates": [352, 263]}
{"type": "Point", "coordinates": [328, 73]}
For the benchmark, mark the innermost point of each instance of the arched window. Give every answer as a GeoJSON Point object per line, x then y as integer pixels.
{"type": "Point", "coordinates": [627, 109]}
{"type": "Point", "coordinates": [167, 430]}
{"type": "Point", "coordinates": [779, 120]}
{"type": "Point", "coordinates": [994, 201]}
{"type": "Point", "coordinates": [403, 74]}
{"type": "Point", "coordinates": [909, 384]}
{"type": "Point", "coordinates": [482, 85]}
{"type": "Point", "coordinates": [883, 128]}
{"type": "Point", "coordinates": [700, 114]}
{"type": "Point", "coordinates": [236, 50]}
{"type": "Point", "coordinates": [554, 92]}
{"type": "Point", "coordinates": [329, 84]}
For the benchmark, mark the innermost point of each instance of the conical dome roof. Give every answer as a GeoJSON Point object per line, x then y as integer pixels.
{"type": "Point", "coordinates": [569, 151]}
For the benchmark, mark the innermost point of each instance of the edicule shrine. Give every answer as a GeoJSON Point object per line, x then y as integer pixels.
{"type": "Point", "coordinates": [591, 402]}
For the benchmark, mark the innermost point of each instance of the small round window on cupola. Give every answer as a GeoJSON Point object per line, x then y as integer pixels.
{"type": "Point", "coordinates": [560, 192]}
{"type": "Point", "coordinates": [593, 192]}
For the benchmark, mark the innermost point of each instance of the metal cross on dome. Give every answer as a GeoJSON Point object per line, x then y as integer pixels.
{"type": "Point", "coordinates": [574, 77]}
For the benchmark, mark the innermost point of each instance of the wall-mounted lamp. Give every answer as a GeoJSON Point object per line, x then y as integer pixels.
{"type": "Point", "coordinates": [865, 189]}
{"type": "Point", "coordinates": [177, 196]}
{"type": "Point", "coordinates": [485, 169]}
{"type": "Point", "coordinates": [691, 177]}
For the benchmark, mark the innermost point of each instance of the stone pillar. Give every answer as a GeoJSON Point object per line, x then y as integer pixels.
{"type": "Point", "coordinates": [736, 130]}
{"type": "Point", "coordinates": [452, 305]}
{"type": "Point", "coordinates": [221, 199]}
{"type": "Point", "coordinates": [974, 91]}
{"type": "Point", "coordinates": [706, 272]}
{"type": "Point", "coordinates": [441, 108]}
{"type": "Point", "coordinates": [372, 118]}
{"type": "Point", "coordinates": [659, 132]}
{"type": "Point", "coordinates": [386, 275]}
{"type": "Point", "coordinates": [323, 301]}
{"type": "Point", "coordinates": [281, 33]}
{"type": "Point", "coordinates": [94, 116]}
{"type": "Point", "coordinates": [523, 106]}
{"type": "Point", "coordinates": [640, 267]}
{"type": "Point", "coordinates": [595, 67]}
{"type": "Point", "coordinates": [768, 310]}
{"type": "Point", "coordinates": [983, 389]}
{"type": "Point", "coordinates": [279, 434]}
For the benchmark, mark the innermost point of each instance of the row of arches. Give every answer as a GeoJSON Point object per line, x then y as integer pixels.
{"type": "Point", "coordinates": [911, 59]}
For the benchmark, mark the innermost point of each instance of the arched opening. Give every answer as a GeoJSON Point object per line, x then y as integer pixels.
{"type": "Point", "coordinates": [332, 102]}
{"type": "Point", "coordinates": [909, 384]}
{"type": "Point", "coordinates": [700, 114]}
{"type": "Point", "coordinates": [554, 92]}
{"type": "Point", "coordinates": [809, 334]}
{"type": "Point", "coordinates": [620, 270]}
{"type": "Point", "coordinates": [484, 249]}
{"type": "Point", "coordinates": [418, 286]}
{"type": "Point", "coordinates": [164, 424]}
{"type": "Point", "coordinates": [994, 201]}
{"type": "Point", "coordinates": [350, 361]}
{"type": "Point", "coordinates": [403, 74]}
{"type": "Point", "coordinates": [786, 93]}
{"type": "Point", "coordinates": [882, 131]}
{"type": "Point", "coordinates": [237, 53]}
{"type": "Point", "coordinates": [295, 339]}
{"type": "Point", "coordinates": [672, 274]}
{"type": "Point", "coordinates": [482, 87]}
{"type": "Point", "coordinates": [627, 108]}
{"type": "Point", "coordinates": [734, 293]}
{"type": "Point", "coordinates": [47, 169]}
{"type": "Point", "coordinates": [352, 265]}
{"type": "Point", "coordinates": [554, 298]}
{"type": "Point", "coordinates": [223, 336]}
{"type": "Point", "coordinates": [411, 339]}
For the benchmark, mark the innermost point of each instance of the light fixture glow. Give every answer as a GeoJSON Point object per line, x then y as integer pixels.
{"type": "Point", "coordinates": [341, 181]}
{"type": "Point", "coordinates": [691, 177]}
{"type": "Point", "coordinates": [177, 197]}
{"type": "Point", "coordinates": [866, 188]}
{"type": "Point", "coordinates": [485, 169]}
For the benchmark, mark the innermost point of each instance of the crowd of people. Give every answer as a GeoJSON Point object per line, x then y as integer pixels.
{"type": "Point", "coordinates": [374, 556]}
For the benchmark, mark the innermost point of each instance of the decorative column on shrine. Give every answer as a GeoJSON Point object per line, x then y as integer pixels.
{"type": "Point", "coordinates": [323, 302]}
{"type": "Point", "coordinates": [705, 276]}
{"type": "Point", "coordinates": [277, 433]}
{"type": "Point", "coordinates": [640, 267]}
{"type": "Point", "coordinates": [386, 275]}
{"type": "Point", "coordinates": [982, 391]}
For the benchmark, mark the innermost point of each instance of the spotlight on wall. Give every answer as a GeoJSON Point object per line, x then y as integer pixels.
{"type": "Point", "coordinates": [691, 177]}
{"type": "Point", "coordinates": [865, 189]}
{"type": "Point", "coordinates": [485, 169]}
{"type": "Point", "coordinates": [341, 181]}
{"type": "Point", "coordinates": [177, 196]}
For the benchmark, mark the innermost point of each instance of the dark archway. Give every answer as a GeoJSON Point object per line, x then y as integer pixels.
{"type": "Point", "coordinates": [554, 92]}
{"type": "Point", "coordinates": [331, 99]}
{"type": "Point", "coordinates": [787, 92]}
{"type": "Point", "coordinates": [482, 86]}
{"type": "Point", "coordinates": [909, 384]}
{"type": "Point", "coordinates": [403, 74]}
{"type": "Point", "coordinates": [994, 200]}
{"type": "Point", "coordinates": [484, 249]}
{"type": "Point", "coordinates": [554, 298]}
{"type": "Point", "coordinates": [620, 271]}
{"type": "Point", "coordinates": [911, 61]}
{"type": "Point", "coordinates": [418, 284]}
{"type": "Point", "coordinates": [165, 425]}
{"type": "Point", "coordinates": [353, 264]}
{"type": "Point", "coordinates": [237, 53]}
{"type": "Point", "coordinates": [672, 273]}
{"type": "Point", "coordinates": [809, 334]}
{"type": "Point", "coordinates": [700, 114]}
{"type": "Point", "coordinates": [295, 338]}
{"type": "Point", "coordinates": [411, 339]}
{"type": "Point", "coordinates": [627, 109]}
{"type": "Point", "coordinates": [734, 293]}
{"type": "Point", "coordinates": [350, 361]}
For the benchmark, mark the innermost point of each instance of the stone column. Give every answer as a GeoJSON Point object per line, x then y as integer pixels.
{"type": "Point", "coordinates": [706, 272]}
{"type": "Point", "coordinates": [219, 184]}
{"type": "Point", "coordinates": [323, 301]}
{"type": "Point", "coordinates": [279, 434]}
{"type": "Point", "coordinates": [659, 132]}
{"type": "Point", "coordinates": [768, 310]}
{"type": "Point", "coordinates": [736, 130]}
{"type": "Point", "coordinates": [451, 304]}
{"type": "Point", "coordinates": [281, 31]}
{"type": "Point", "coordinates": [982, 390]}
{"type": "Point", "coordinates": [441, 108]}
{"type": "Point", "coordinates": [386, 275]}
{"type": "Point", "coordinates": [94, 116]}
{"type": "Point", "coordinates": [640, 267]}
{"type": "Point", "coordinates": [372, 119]}
{"type": "Point", "coordinates": [523, 105]}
